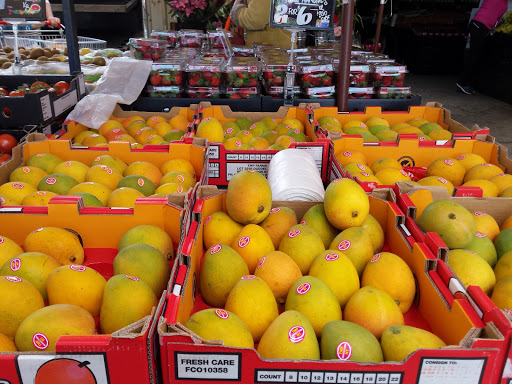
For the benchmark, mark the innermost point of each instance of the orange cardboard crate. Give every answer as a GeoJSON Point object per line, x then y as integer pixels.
{"type": "Point", "coordinates": [432, 111]}
{"type": "Point", "coordinates": [415, 156]}
{"type": "Point", "coordinates": [414, 201]}
{"type": "Point", "coordinates": [475, 353]}
{"type": "Point", "coordinates": [223, 163]}
{"type": "Point", "coordinates": [195, 152]}
{"type": "Point", "coordinates": [128, 355]}
{"type": "Point", "coordinates": [70, 129]}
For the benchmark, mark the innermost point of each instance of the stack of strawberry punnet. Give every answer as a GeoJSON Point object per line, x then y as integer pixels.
{"type": "Point", "coordinates": [204, 77]}
{"type": "Point", "coordinates": [242, 78]}
{"type": "Point", "coordinates": [166, 78]}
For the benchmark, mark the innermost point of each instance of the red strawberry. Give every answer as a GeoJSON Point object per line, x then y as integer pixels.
{"type": "Point", "coordinates": [156, 79]}
{"type": "Point", "coordinates": [386, 81]}
{"type": "Point", "coordinates": [194, 80]}
{"type": "Point", "coordinates": [235, 96]}
{"type": "Point", "coordinates": [215, 81]}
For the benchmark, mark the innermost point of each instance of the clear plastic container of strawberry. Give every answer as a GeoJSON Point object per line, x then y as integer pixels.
{"type": "Point", "coordinates": [203, 92]}
{"type": "Point", "coordinates": [148, 49]}
{"type": "Point", "coordinates": [320, 92]}
{"type": "Point", "coordinates": [274, 72]}
{"type": "Point", "coordinates": [315, 73]}
{"type": "Point", "coordinates": [191, 38]}
{"type": "Point", "coordinates": [361, 92]}
{"type": "Point", "coordinates": [376, 58]}
{"type": "Point", "coordinates": [167, 72]}
{"type": "Point", "coordinates": [387, 74]}
{"type": "Point", "coordinates": [170, 36]}
{"type": "Point", "coordinates": [205, 71]}
{"type": "Point", "coordinates": [215, 52]}
{"type": "Point", "coordinates": [277, 92]}
{"type": "Point", "coordinates": [183, 53]}
{"type": "Point", "coordinates": [393, 92]}
{"type": "Point", "coordinates": [241, 92]}
{"type": "Point", "coordinates": [214, 38]}
{"type": "Point", "coordinates": [359, 74]}
{"type": "Point", "coordinates": [243, 51]}
{"type": "Point", "coordinates": [242, 72]}
{"type": "Point", "coordinates": [169, 91]}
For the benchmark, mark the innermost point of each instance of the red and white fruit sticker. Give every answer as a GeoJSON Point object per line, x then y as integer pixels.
{"type": "Point", "coordinates": [422, 138]}
{"type": "Point", "coordinates": [468, 251]}
{"type": "Point", "coordinates": [41, 193]}
{"type": "Point", "coordinates": [365, 174]}
{"type": "Point", "coordinates": [15, 264]}
{"type": "Point", "coordinates": [13, 279]}
{"type": "Point", "coordinates": [275, 210]}
{"type": "Point", "coordinates": [347, 153]}
{"type": "Point", "coordinates": [448, 162]}
{"type": "Point", "coordinates": [179, 188]}
{"type": "Point", "coordinates": [485, 165]}
{"type": "Point", "coordinates": [331, 257]}
{"type": "Point", "coordinates": [375, 258]}
{"type": "Point", "coordinates": [442, 180]}
{"type": "Point", "coordinates": [361, 167]}
{"type": "Point", "coordinates": [250, 170]}
{"type": "Point", "coordinates": [248, 277]}
{"type": "Point", "coordinates": [461, 157]}
{"type": "Point", "coordinates": [344, 245]}
{"type": "Point", "coordinates": [344, 350]}
{"type": "Point", "coordinates": [303, 288]}
{"type": "Point", "coordinates": [68, 163]}
{"type": "Point", "coordinates": [41, 154]}
{"type": "Point", "coordinates": [215, 248]}
{"type": "Point", "coordinates": [229, 130]}
{"type": "Point", "coordinates": [509, 311]}
{"type": "Point", "coordinates": [134, 278]}
{"type": "Point", "coordinates": [244, 241]}
{"type": "Point", "coordinates": [17, 185]}
{"type": "Point", "coordinates": [180, 178]}
{"type": "Point", "coordinates": [296, 334]}
{"type": "Point", "coordinates": [1, 239]}
{"type": "Point", "coordinates": [78, 268]}
{"type": "Point", "coordinates": [260, 261]}
{"type": "Point", "coordinates": [480, 234]}
{"type": "Point", "coordinates": [207, 119]}
{"type": "Point", "coordinates": [246, 133]}
{"type": "Point", "coordinates": [40, 341]}
{"type": "Point", "coordinates": [296, 131]}
{"type": "Point", "coordinates": [238, 143]}
{"type": "Point", "coordinates": [502, 174]}
{"type": "Point", "coordinates": [303, 222]}
{"type": "Point", "coordinates": [97, 159]}
{"type": "Point", "coordinates": [26, 170]}
{"type": "Point", "coordinates": [222, 313]}
{"type": "Point", "coordinates": [292, 139]}
{"type": "Point", "coordinates": [478, 213]}
{"type": "Point", "coordinates": [252, 126]}
{"type": "Point", "coordinates": [51, 180]}
{"type": "Point", "coordinates": [294, 233]}
{"type": "Point", "coordinates": [403, 172]}
{"type": "Point", "coordinates": [207, 220]}
{"type": "Point", "coordinates": [2, 200]}
{"type": "Point", "coordinates": [140, 182]}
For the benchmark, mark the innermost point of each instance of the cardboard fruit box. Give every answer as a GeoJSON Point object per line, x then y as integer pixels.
{"type": "Point", "coordinates": [129, 354]}
{"type": "Point", "coordinates": [415, 156]}
{"type": "Point", "coordinates": [473, 354]}
{"type": "Point", "coordinates": [195, 152]}
{"type": "Point", "coordinates": [70, 128]}
{"type": "Point", "coordinates": [434, 112]}
{"type": "Point", "coordinates": [223, 163]}
{"type": "Point", "coordinates": [414, 200]}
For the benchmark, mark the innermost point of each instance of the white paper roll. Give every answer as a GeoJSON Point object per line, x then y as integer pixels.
{"type": "Point", "coordinates": [293, 176]}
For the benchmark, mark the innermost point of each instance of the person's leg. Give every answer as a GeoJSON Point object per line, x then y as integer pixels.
{"type": "Point", "coordinates": [477, 32]}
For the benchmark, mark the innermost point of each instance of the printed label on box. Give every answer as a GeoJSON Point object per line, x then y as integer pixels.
{"type": "Point", "coordinates": [81, 83]}
{"type": "Point", "coordinates": [316, 152]}
{"type": "Point", "coordinates": [213, 152]}
{"type": "Point", "coordinates": [207, 366]}
{"type": "Point", "coordinates": [233, 168]}
{"type": "Point", "coordinates": [64, 103]}
{"type": "Point", "coordinates": [451, 371]}
{"type": "Point", "coordinates": [46, 107]}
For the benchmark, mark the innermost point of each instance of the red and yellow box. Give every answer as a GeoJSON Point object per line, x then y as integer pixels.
{"type": "Point", "coordinates": [223, 163]}
{"type": "Point", "coordinates": [432, 112]}
{"type": "Point", "coordinates": [128, 355]}
{"type": "Point", "coordinates": [475, 353]}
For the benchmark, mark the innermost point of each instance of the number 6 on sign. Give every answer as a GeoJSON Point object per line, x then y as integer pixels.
{"type": "Point", "coordinates": [281, 16]}
{"type": "Point", "coordinates": [303, 18]}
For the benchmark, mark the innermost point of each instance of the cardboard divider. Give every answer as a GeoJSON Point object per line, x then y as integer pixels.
{"type": "Point", "coordinates": [433, 112]}
{"type": "Point", "coordinates": [127, 355]}
{"type": "Point", "coordinates": [453, 319]}
{"type": "Point", "coordinates": [223, 163]}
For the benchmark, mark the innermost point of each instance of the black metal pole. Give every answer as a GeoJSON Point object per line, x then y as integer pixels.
{"type": "Point", "coordinates": [379, 25]}
{"type": "Point", "coordinates": [347, 24]}
{"type": "Point", "coordinates": [68, 14]}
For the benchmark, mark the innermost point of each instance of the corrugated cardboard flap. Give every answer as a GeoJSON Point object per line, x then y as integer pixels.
{"type": "Point", "coordinates": [136, 329]}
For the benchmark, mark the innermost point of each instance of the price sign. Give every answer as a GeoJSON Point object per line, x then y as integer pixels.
{"type": "Point", "coordinates": [23, 9]}
{"type": "Point", "coordinates": [302, 14]}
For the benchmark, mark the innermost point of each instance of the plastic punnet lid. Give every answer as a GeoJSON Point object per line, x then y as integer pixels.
{"type": "Point", "coordinates": [365, 90]}
{"type": "Point", "coordinates": [154, 43]}
{"type": "Point", "coordinates": [386, 90]}
{"type": "Point", "coordinates": [245, 64]}
{"type": "Point", "coordinates": [191, 32]}
{"type": "Point", "coordinates": [157, 34]}
{"type": "Point", "coordinates": [243, 49]}
{"type": "Point", "coordinates": [316, 91]}
{"type": "Point", "coordinates": [164, 88]}
{"type": "Point", "coordinates": [388, 69]}
{"type": "Point", "coordinates": [170, 64]}
{"type": "Point", "coordinates": [213, 64]}
{"type": "Point", "coordinates": [315, 66]}
{"type": "Point", "coordinates": [276, 90]}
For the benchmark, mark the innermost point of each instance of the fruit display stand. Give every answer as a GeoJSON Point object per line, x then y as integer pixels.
{"type": "Point", "coordinates": [41, 107]}
{"type": "Point", "coordinates": [127, 355]}
{"type": "Point", "coordinates": [415, 155]}
{"type": "Point", "coordinates": [475, 352]}
{"type": "Point", "coordinates": [70, 128]}
{"type": "Point", "coordinates": [223, 163]}
{"type": "Point", "coordinates": [433, 112]}
{"type": "Point", "coordinates": [194, 152]}
{"type": "Point", "coordinates": [413, 201]}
